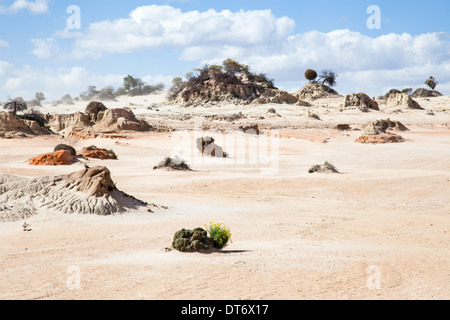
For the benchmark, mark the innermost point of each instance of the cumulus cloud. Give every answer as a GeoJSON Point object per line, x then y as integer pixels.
{"type": "Point", "coordinates": [260, 39]}
{"type": "Point", "coordinates": [24, 81]}
{"type": "Point", "coordinates": [36, 7]}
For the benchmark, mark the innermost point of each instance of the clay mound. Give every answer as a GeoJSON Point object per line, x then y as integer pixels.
{"type": "Point", "coordinates": [114, 120]}
{"type": "Point", "coordinates": [90, 191]}
{"type": "Point", "coordinates": [97, 153]}
{"type": "Point", "coordinates": [93, 109]}
{"type": "Point", "coordinates": [401, 100]}
{"type": "Point", "coordinates": [208, 148]}
{"type": "Point", "coordinates": [280, 97]}
{"type": "Point", "coordinates": [62, 157]}
{"type": "Point", "coordinates": [425, 93]}
{"type": "Point", "coordinates": [314, 91]}
{"type": "Point", "coordinates": [361, 101]}
{"type": "Point", "coordinates": [376, 132]}
{"type": "Point", "coordinates": [12, 126]}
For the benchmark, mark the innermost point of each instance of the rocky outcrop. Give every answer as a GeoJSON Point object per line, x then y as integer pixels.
{"type": "Point", "coordinates": [62, 157]}
{"type": "Point", "coordinates": [360, 101]}
{"type": "Point", "coordinates": [280, 97]}
{"type": "Point", "coordinates": [12, 126]}
{"type": "Point", "coordinates": [93, 109]}
{"type": "Point", "coordinates": [97, 121]}
{"type": "Point", "coordinates": [425, 93]}
{"type": "Point", "coordinates": [89, 191]}
{"type": "Point", "coordinates": [401, 100]}
{"type": "Point", "coordinates": [377, 132]}
{"type": "Point", "coordinates": [314, 91]}
{"type": "Point", "coordinates": [114, 120]}
{"type": "Point", "coordinates": [75, 121]}
{"type": "Point", "coordinates": [93, 152]}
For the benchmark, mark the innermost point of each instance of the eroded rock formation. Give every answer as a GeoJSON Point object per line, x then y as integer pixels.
{"type": "Point", "coordinates": [89, 191]}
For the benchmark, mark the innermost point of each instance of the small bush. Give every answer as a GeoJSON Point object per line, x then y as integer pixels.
{"type": "Point", "coordinates": [310, 74]}
{"type": "Point", "coordinates": [175, 163]}
{"type": "Point", "coordinates": [220, 234]}
{"type": "Point", "coordinates": [326, 167]}
{"type": "Point", "coordinates": [66, 147]}
{"type": "Point", "coordinates": [186, 240]}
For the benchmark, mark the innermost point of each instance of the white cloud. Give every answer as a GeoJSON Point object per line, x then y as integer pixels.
{"type": "Point", "coordinates": [155, 26]}
{"type": "Point", "coordinates": [36, 7]}
{"type": "Point", "coordinates": [25, 81]}
{"type": "Point", "coordinates": [4, 43]}
{"type": "Point", "coordinates": [265, 42]}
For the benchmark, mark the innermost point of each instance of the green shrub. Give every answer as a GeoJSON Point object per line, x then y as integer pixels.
{"type": "Point", "coordinates": [220, 235]}
{"type": "Point", "coordinates": [310, 74]}
{"type": "Point", "coordinates": [186, 240]}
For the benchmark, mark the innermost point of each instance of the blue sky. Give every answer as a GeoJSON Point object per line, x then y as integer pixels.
{"type": "Point", "coordinates": [158, 40]}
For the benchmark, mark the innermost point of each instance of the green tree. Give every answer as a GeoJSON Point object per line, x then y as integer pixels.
{"type": "Point", "coordinates": [39, 96]}
{"type": "Point", "coordinates": [329, 77]}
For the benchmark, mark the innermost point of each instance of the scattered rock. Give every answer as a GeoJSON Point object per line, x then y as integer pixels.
{"type": "Point", "coordinates": [62, 157]}
{"type": "Point", "coordinates": [97, 153]}
{"type": "Point", "coordinates": [312, 115]}
{"type": "Point", "coordinates": [376, 132]}
{"type": "Point", "coordinates": [343, 127]}
{"type": "Point", "coordinates": [208, 148]}
{"type": "Point", "coordinates": [361, 101]}
{"type": "Point", "coordinates": [252, 129]}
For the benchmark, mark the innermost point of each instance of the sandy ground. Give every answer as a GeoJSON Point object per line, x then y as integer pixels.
{"type": "Point", "coordinates": [378, 230]}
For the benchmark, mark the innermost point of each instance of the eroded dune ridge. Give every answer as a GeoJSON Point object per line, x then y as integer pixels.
{"type": "Point", "coordinates": [89, 191]}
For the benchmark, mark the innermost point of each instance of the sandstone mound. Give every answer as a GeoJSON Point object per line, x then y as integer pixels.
{"type": "Point", "coordinates": [279, 96]}
{"type": "Point", "coordinates": [377, 132]}
{"type": "Point", "coordinates": [93, 109]}
{"type": "Point", "coordinates": [314, 91]}
{"type": "Point", "coordinates": [400, 100]}
{"type": "Point", "coordinates": [425, 93]}
{"type": "Point", "coordinates": [195, 240]}
{"type": "Point", "coordinates": [96, 121]}
{"type": "Point", "coordinates": [114, 120]}
{"type": "Point", "coordinates": [361, 101]}
{"type": "Point", "coordinates": [12, 126]}
{"type": "Point", "coordinates": [90, 191]}
{"type": "Point", "coordinates": [62, 157]}
{"type": "Point", "coordinates": [97, 153]}
{"type": "Point", "coordinates": [228, 83]}
{"type": "Point", "coordinates": [208, 148]}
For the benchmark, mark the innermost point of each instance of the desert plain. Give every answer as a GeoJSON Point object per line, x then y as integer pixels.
{"type": "Point", "coordinates": [378, 229]}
